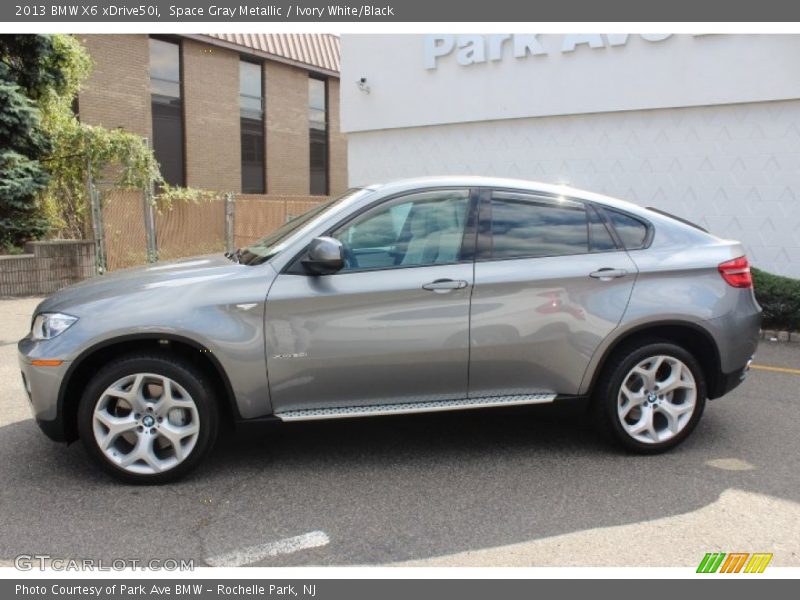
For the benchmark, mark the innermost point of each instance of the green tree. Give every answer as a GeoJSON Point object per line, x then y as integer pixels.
{"type": "Point", "coordinates": [47, 154]}
{"type": "Point", "coordinates": [80, 151]}
{"type": "Point", "coordinates": [29, 66]}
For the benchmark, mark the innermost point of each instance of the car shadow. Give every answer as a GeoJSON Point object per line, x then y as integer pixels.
{"type": "Point", "coordinates": [383, 489]}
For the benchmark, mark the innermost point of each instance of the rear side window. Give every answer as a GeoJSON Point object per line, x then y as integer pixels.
{"type": "Point", "coordinates": [631, 231]}
{"type": "Point", "coordinates": [530, 226]}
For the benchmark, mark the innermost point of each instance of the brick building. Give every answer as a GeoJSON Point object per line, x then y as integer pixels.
{"type": "Point", "coordinates": [252, 113]}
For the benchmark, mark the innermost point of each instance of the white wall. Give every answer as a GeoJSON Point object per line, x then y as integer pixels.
{"type": "Point", "coordinates": [706, 126]}
{"type": "Point", "coordinates": [682, 70]}
{"type": "Point", "coordinates": [734, 168]}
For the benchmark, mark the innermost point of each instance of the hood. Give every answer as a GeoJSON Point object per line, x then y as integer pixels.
{"type": "Point", "coordinates": [127, 282]}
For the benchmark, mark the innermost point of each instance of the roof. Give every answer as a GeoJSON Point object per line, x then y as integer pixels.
{"type": "Point", "coordinates": [552, 189]}
{"type": "Point", "coordinates": [561, 191]}
{"type": "Point", "coordinates": [315, 51]}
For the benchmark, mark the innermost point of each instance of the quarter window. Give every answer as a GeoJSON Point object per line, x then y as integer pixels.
{"type": "Point", "coordinates": [631, 231]}
{"type": "Point", "coordinates": [530, 226]}
{"type": "Point", "coordinates": [426, 228]}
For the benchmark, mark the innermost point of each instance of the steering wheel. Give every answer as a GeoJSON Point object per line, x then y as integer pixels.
{"type": "Point", "coordinates": [350, 260]}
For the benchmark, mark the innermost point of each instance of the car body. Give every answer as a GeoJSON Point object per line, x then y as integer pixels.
{"type": "Point", "coordinates": [422, 294]}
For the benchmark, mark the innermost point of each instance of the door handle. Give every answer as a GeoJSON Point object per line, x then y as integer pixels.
{"type": "Point", "coordinates": [608, 274]}
{"type": "Point", "coordinates": [445, 285]}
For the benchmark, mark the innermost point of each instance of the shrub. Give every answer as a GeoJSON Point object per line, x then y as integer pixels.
{"type": "Point", "coordinates": [780, 298]}
{"type": "Point", "coordinates": [26, 71]}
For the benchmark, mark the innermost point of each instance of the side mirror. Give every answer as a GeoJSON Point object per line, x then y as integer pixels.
{"type": "Point", "coordinates": [325, 256]}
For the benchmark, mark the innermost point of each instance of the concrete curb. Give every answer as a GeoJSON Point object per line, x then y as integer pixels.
{"type": "Point", "coordinates": [771, 335]}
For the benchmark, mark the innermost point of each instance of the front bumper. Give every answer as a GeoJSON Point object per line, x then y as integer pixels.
{"type": "Point", "coordinates": [42, 385]}
{"type": "Point", "coordinates": [53, 429]}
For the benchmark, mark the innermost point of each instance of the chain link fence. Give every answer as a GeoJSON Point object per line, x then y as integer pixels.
{"type": "Point", "coordinates": [189, 229]}
{"type": "Point", "coordinates": [131, 231]}
{"type": "Point", "coordinates": [257, 215]}
{"type": "Point", "coordinates": [121, 234]}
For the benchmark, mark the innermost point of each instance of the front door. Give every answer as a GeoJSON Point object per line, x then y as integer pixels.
{"type": "Point", "coordinates": [393, 325]}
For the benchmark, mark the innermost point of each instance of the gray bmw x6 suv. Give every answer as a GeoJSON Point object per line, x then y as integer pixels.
{"type": "Point", "coordinates": [414, 296]}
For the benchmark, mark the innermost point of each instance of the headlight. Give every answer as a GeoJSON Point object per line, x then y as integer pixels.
{"type": "Point", "coordinates": [48, 325]}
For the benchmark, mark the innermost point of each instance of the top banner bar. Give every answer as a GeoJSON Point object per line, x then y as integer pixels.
{"type": "Point", "coordinates": [253, 11]}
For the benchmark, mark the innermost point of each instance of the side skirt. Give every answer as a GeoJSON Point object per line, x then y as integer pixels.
{"type": "Point", "coordinates": [346, 412]}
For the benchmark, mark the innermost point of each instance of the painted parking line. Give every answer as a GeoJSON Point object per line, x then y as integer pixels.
{"type": "Point", "coordinates": [776, 369]}
{"type": "Point", "coordinates": [251, 554]}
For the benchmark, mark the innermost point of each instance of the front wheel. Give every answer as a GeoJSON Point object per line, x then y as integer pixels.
{"type": "Point", "coordinates": [651, 396]}
{"type": "Point", "coordinates": [147, 419]}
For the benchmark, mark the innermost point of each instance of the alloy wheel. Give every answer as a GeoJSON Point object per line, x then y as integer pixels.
{"type": "Point", "coordinates": [146, 423]}
{"type": "Point", "coordinates": [657, 399]}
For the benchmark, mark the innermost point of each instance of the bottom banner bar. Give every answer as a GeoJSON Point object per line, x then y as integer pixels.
{"type": "Point", "coordinates": [383, 589]}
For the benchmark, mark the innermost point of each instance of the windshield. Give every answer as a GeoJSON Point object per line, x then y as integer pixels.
{"type": "Point", "coordinates": [271, 244]}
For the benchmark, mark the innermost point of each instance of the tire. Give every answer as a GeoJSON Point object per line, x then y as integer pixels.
{"type": "Point", "coordinates": [139, 433]}
{"type": "Point", "coordinates": [642, 417]}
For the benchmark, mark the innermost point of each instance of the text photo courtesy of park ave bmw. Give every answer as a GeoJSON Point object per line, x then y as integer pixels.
{"type": "Point", "coordinates": [345, 300]}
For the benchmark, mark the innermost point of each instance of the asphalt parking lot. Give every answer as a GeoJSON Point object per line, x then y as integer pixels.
{"type": "Point", "coordinates": [498, 487]}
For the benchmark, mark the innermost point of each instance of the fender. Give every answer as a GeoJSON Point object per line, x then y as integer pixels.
{"type": "Point", "coordinates": [619, 335]}
{"type": "Point", "coordinates": [137, 337]}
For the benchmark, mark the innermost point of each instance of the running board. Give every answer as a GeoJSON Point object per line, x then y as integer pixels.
{"type": "Point", "coordinates": [346, 412]}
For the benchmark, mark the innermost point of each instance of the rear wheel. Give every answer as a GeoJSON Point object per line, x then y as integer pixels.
{"type": "Point", "coordinates": [651, 396]}
{"type": "Point", "coordinates": [148, 419]}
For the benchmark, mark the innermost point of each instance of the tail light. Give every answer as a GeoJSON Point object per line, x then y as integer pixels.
{"type": "Point", "coordinates": [736, 272]}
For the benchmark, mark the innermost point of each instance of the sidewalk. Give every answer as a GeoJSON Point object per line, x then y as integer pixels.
{"type": "Point", "coordinates": [15, 321]}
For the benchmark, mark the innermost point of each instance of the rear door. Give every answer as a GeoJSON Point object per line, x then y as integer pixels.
{"type": "Point", "coordinates": [550, 284]}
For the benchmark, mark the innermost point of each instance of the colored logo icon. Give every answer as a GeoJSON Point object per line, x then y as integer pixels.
{"type": "Point", "coordinates": [734, 562]}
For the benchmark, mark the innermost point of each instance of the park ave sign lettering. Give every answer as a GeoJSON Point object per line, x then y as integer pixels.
{"type": "Point", "coordinates": [474, 48]}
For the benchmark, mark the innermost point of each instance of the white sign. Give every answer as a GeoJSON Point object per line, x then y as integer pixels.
{"type": "Point", "coordinates": [477, 48]}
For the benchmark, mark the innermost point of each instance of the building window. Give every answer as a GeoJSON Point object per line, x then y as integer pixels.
{"type": "Point", "coordinates": [165, 97]}
{"type": "Point", "coordinates": [251, 110]}
{"type": "Point", "coordinates": [318, 135]}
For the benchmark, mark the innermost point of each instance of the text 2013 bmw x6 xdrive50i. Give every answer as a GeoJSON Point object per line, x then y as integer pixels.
{"type": "Point", "coordinates": [413, 296]}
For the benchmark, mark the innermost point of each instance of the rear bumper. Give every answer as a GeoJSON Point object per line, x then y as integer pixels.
{"type": "Point", "coordinates": [736, 338]}
{"type": "Point", "coordinates": [728, 381]}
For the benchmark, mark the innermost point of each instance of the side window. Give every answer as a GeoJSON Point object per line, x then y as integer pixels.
{"type": "Point", "coordinates": [600, 239]}
{"type": "Point", "coordinates": [426, 228]}
{"type": "Point", "coordinates": [632, 232]}
{"type": "Point", "coordinates": [530, 226]}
